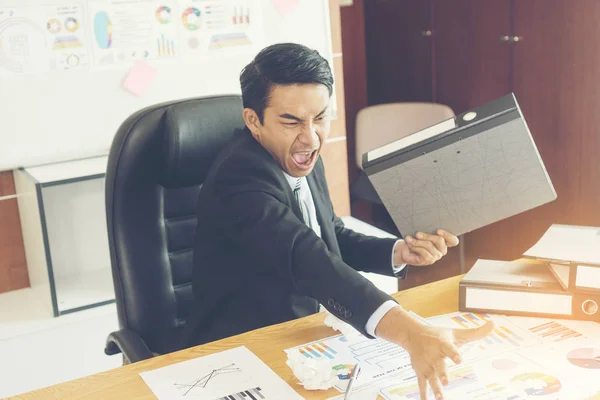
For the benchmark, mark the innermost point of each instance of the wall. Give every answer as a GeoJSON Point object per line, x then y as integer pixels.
{"type": "Point", "coordinates": [13, 266]}
{"type": "Point", "coordinates": [334, 152]}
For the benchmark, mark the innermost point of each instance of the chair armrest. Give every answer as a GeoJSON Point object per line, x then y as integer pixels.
{"type": "Point", "coordinates": [129, 343]}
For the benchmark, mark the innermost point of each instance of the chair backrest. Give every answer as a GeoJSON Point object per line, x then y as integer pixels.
{"type": "Point", "coordinates": [382, 124]}
{"type": "Point", "coordinates": [158, 161]}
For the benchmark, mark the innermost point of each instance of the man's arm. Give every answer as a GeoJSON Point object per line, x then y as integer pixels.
{"type": "Point", "coordinates": [258, 224]}
{"type": "Point", "coordinates": [367, 253]}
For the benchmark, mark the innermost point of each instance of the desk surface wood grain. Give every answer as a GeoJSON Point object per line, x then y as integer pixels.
{"type": "Point", "coordinates": [267, 343]}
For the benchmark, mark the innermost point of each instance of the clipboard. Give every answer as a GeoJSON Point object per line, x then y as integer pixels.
{"type": "Point", "coordinates": [461, 174]}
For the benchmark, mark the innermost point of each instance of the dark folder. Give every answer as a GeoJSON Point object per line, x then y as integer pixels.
{"type": "Point", "coordinates": [463, 173]}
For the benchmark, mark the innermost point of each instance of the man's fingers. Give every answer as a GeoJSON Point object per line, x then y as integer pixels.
{"type": "Point", "coordinates": [451, 240]}
{"type": "Point", "coordinates": [422, 387]}
{"type": "Point", "coordinates": [424, 255]}
{"type": "Point", "coordinates": [441, 371]}
{"type": "Point", "coordinates": [462, 336]}
{"type": "Point", "coordinates": [415, 244]}
{"type": "Point", "coordinates": [438, 241]}
{"type": "Point", "coordinates": [452, 352]}
{"type": "Point", "coordinates": [436, 387]}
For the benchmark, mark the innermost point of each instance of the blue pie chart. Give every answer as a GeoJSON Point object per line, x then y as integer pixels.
{"type": "Point", "coordinates": [103, 30]}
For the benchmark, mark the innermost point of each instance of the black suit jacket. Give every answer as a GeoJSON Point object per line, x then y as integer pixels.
{"type": "Point", "coordinates": [257, 264]}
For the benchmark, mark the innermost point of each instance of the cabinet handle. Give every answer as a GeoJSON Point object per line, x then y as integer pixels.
{"type": "Point", "coordinates": [516, 39]}
{"type": "Point", "coordinates": [426, 33]}
{"type": "Point", "coordinates": [504, 38]}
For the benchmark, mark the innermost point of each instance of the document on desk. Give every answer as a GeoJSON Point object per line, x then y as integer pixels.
{"type": "Point", "coordinates": [525, 358]}
{"type": "Point", "coordinates": [231, 374]}
{"type": "Point", "coordinates": [378, 358]}
{"type": "Point", "coordinates": [505, 376]}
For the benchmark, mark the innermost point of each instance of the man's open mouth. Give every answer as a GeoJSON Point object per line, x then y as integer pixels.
{"type": "Point", "coordinates": [305, 158]}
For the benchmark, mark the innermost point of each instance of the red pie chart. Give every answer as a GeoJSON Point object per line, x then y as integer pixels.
{"type": "Point", "coordinates": [588, 358]}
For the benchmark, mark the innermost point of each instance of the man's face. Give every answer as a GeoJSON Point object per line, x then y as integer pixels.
{"type": "Point", "coordinates": [295, 126]}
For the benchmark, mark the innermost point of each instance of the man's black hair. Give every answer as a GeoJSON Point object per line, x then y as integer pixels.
{"type": "Point", "coordinates": [281, 64]}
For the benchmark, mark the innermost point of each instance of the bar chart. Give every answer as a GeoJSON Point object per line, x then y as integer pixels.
{"type": "Point", "coordinates": [554, 331]}
{"type": "Point", "coordinates": [505, 336]}
{"type": "Point", "coordinates": [317, 350]}
{"type": "Point", "coordinates": [250, 394]}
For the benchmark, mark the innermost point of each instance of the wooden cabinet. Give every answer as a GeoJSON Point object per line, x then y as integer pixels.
{"type": "Point", "coordinates": [545, 51]}
{"type": "Point", "coordinates": [399, 50]}
{"type": "Point", "coordinates": [471, 61]}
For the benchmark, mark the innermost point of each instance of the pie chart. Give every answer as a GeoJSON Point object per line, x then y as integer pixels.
{"type": "Point", "coordinates": [536, 383]}
{"type": "Point", "coordinates": [103, 30]}
{"type": "Point", "coordinates": [588, 358]}
{"type": "Point", "coordinates": [190, 18]}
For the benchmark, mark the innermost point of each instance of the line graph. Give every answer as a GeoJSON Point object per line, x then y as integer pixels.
{"type": "Point", "coordinates": [236, 373]}
{"type": "Point", "coordinates": [203, 381]}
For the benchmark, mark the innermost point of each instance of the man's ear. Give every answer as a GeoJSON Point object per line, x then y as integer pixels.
{"type": "Point", "coordinates": [252, 122]}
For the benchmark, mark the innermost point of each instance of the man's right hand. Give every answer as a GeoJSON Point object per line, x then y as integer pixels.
{"type": "Point", "coordinates": [428, 346]}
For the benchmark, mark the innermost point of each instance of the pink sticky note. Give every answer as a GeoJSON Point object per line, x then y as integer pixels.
{"type": "Point", "coordinates": [139, 78]}
{"type": "Point", "coordinates": [285, 6]}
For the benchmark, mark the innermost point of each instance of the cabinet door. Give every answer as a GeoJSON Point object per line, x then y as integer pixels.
{"type": "Point", "coordinates": [398, 51]}
{"type": "Point", "coordinates": [554, 73]}
{"type": "Point", "coordinates": [471, 62]}
{"type": "Point", "coordinates": [556, 69]}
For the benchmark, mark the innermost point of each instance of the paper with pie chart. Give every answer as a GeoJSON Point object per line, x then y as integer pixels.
{"type": "Point", "coordinates": [506, 376]}
{"type": "Point", "coordinates": [524, 358]}
{"type": "Point", "coordinates": [42, 39]}
{"type": "Point", "coordinates": [220, 27]}
{"type": "Point", "coordinates": [126, 31]}
{"type": "Point", "coordinates": [577, 360]}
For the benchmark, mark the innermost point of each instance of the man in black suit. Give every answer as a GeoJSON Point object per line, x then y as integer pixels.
{"type": "Point", "coordinates": [269, 247]}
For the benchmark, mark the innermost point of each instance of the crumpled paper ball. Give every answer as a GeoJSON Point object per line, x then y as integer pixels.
{"type": "Point", "coordinates": [337, 324]}
{"type": "Point", "coordinates": [312, 373]}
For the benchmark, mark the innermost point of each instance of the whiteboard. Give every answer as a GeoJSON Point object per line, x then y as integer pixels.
{"type": "Point", "coordinates": [59, 113]}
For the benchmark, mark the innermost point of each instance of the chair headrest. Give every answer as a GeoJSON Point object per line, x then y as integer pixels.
{"type": "Point", "coordinates": [194, 133]}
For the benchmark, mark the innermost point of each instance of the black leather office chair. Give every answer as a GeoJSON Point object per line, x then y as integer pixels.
{"type": "Point", "coordinates": [158, 161]}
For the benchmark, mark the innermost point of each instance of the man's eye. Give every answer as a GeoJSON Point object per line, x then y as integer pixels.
{"type": "Point", "coordinates": [290, 123]}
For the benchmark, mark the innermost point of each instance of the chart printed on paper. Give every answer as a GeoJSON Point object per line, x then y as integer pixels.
{"type": "Point", "coordinates": [235, 373]}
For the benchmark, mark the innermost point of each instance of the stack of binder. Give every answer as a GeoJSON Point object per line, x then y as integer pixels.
{"type": "Point", "coordinates": [559, 278]}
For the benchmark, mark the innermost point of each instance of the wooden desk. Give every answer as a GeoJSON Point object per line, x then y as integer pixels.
{"type": "Point", "coordinates": [267, 343]}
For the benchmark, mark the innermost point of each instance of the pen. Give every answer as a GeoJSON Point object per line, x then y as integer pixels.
{"type": "Point", "coordinates": [352, 380]}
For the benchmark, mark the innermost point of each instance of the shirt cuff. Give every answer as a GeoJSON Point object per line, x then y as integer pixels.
{"type": "Point", "coordinates": [376, 317]}
{"type": "Point", "coordinates": [397, 268]}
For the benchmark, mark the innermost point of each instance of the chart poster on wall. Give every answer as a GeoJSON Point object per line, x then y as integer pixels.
{"type": "Point", "coordinates": [42, 39]}
{"type": "Point", "coordinates": [127, 30]}
{"type": "Point", "coordinates": [224, 27]}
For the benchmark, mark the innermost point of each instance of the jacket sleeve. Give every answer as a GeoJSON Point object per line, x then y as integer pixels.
{"type": "Point", "coordinates": [257, 222]}
{"type": "Point", "coordinates": [366, 253]}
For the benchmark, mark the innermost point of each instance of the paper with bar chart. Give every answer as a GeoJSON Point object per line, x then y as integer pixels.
{"type": "Point", "coordinates": [378, 358]}
{"type": "Point", "coordinates": [550, 330]}
{"type": "Point", "coordinates": [506, 336]}
{"type": "Point", "coordinates": [523, 358]}
{"type": "Point", "coordinates": [210, 28]}
{"type": "Point", "coordinates": [231, 374]}
{"type": "Point", "coordinates": [505, 376]}
{"type": "Point", "coordinates": [126, 31]}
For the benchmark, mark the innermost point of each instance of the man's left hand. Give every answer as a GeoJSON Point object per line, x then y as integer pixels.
{"type": "Point", "coordinates": [424, 249]}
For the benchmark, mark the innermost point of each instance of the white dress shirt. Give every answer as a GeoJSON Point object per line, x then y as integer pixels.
{"type": "Point", "coordinates": [306, 197]}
